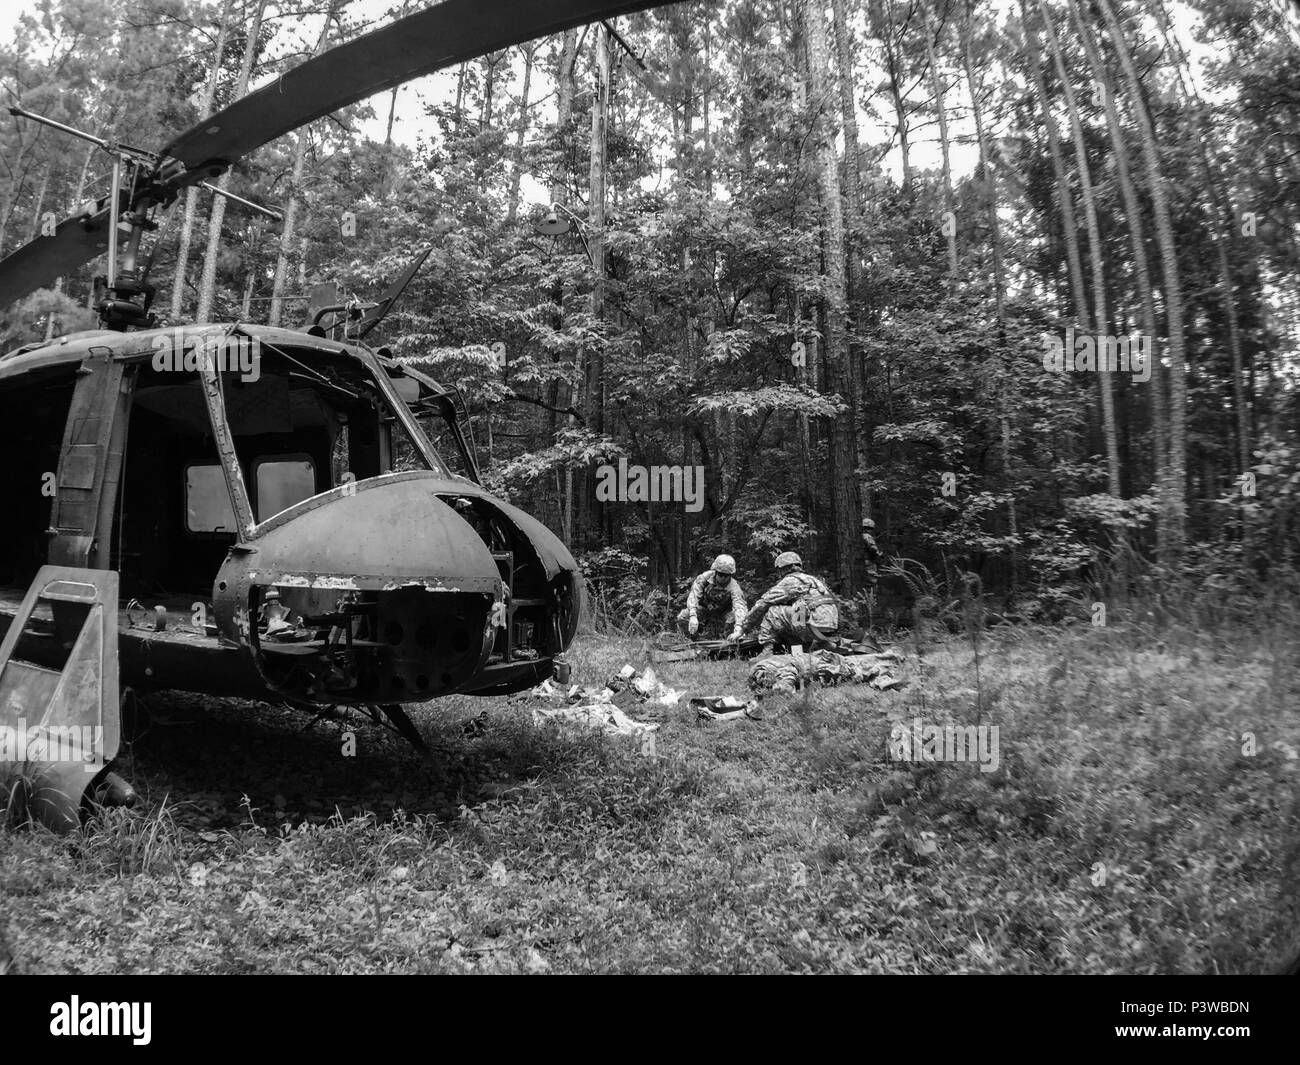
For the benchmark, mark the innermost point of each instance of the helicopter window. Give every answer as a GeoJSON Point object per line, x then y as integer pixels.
{"type": "Point", "coordinates": [437, 416]}
{"type": "Point", "coordinates": [440, 433]}
{"type": "Point", "coordinates": [325, 413]}
{"type": "Point", "coordinates": [207, 504]}
{"type": "Point", "coordinates": [281, 482]}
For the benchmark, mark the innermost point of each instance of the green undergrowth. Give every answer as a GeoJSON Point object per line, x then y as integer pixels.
{"type": "Point", "coordinates": [1143, 818]}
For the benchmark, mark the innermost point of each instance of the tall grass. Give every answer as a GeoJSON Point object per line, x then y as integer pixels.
{"type": "Point", "coordinates": [1144, 819]}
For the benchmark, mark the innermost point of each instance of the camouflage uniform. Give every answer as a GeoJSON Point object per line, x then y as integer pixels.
{"type": "Point", "coordinates": [787, 673]}
{"type": "Point", "coordinates": [873, 559]}
{"type": "Point", "coordinates": [871, 575]}
{"type": "Point", "coordinates": [707, 599]}
{"type": "Point", "coordinates": [798, 609]}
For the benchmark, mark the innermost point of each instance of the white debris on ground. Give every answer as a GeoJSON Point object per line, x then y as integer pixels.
{"type": "Point", "coordinates": [596, 707]}
{"type": "Point", "coordinates": [605, 708]}
{"type": "Point", "coordinates": [652, 688]}
{"type": "Point", "coordinates": [627, 687]}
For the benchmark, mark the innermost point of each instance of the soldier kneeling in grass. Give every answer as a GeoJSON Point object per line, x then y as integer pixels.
{"type": "Point", "coordinates": [798, 609]}
{"type": "Point", "coordinates": [712, 592]}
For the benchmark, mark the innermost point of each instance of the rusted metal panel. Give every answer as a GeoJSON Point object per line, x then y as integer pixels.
{"type": "Point", "coordinates": [178, 658]}
{"type": "Point", "coordinates": [216, 403]}
{"type": "Point", "coordinates": [424, 486]}
{"type": "Point", "coordinates": [59, 727]}
{"type": "Point", "coordinates": [84, 476]}
{"type": "Point", "coordinates": [112, 473]}
{"type": "Point", "coordinates": [554, 556]}
{"type": "Point", "coordinates": [379, 534]}
{"type": "Point", "coordinates": [80, 465]}
{"type": "Point", "coordinates": [325, 294]}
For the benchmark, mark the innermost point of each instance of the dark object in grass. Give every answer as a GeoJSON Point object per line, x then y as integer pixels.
{"type": "Point", "coordinates": [717, 703]}
{"type": "Point", "coordinates": [725, 708]}
{"type": "Point", "coordinates": [671, 647]}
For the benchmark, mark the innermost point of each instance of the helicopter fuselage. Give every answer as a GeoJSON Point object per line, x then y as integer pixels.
{"type": "Point", "coordinates": [283, 528]}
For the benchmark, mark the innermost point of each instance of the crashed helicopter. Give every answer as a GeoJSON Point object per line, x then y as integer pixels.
{"type": "Point", "coordinates": [240, 510]}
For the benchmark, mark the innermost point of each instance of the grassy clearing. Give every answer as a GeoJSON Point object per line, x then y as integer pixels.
{"type": "Point", "coordinates": [1125, 831]}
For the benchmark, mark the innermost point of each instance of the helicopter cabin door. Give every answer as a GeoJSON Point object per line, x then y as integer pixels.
{"type": "Point", "coordinates": [90, 464]}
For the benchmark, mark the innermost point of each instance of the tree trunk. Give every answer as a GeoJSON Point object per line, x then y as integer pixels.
{"type": "Point", "coordinates": [999, 278]}
{"type": "Point", "coordinates": [936, 85]}
{"type": "Point", "coordinates": [708, 128]}
{"type": "Point", "coordinates": [1174, 508]}
{"type": "Point", "coordinates": [392, 98]}
{"type": "Point", "coordinates": [1137, 234]}
{"type": "Point", "coordinates": [459, 114]}
{"type": "Point", "coordinates": [893, 59]}
{"type": "Point", "coordinates": [392, 117]}
{"type": "Point", "coordinates": [564, 89]}
{"type": "Point", "coordinates": [489, 90]}
{"type": "Point", "coordinates": [192, 193]}
{"type": "Point", "coordinates": [595, 399]}
{"type": "Point", "coordinates": [1207, 150]}
{"type": "Point", "coordinates": [1064, 201]}
{"type": "Point", "coordinates": [40, 202]}
{"type": "Point", "coordinates": [49, 318]}
{"type": "Point", "coordinates": [844, 498]}
{"type": "Point", "coordinates": [18, 179]}
{"type": "Point", "coordinates": [854, 225]}
{"type": "Point", "coordinates": [246, 305]}
{"type": "Point", "coordinates": [517, 169]}
{"type": "Point", "coordinates": [291, 208]}
{"type": "Point", "coordinates": [208, 288]}
{"type": "Point", "coordinates": [990, 186]}
{"type": "Point", "coordinates": [287, 234]}
{"type": "Point", "coordinates": [485, 118]}
{"type": "Point", "coordinates": [1100, 316]}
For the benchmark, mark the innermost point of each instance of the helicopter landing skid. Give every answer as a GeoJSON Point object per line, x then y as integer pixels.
{"type": "Point", "coordinates": [388, 716]}
{"type": "Point", "coordinates": [403, 726]}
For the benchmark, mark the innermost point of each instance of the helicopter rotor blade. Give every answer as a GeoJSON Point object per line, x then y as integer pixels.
{"type": "Point", "coordinates": [438, 36]}
{"type": "Point", "coordinates": [76, 240]}
{"type": "Point", "coordinates": [407, 48]}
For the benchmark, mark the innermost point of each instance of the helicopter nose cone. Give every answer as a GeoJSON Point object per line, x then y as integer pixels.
{"type": "Point", "coordinates": [399, 588]}
{"type": "Point", "coordinates": [376, 591]}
